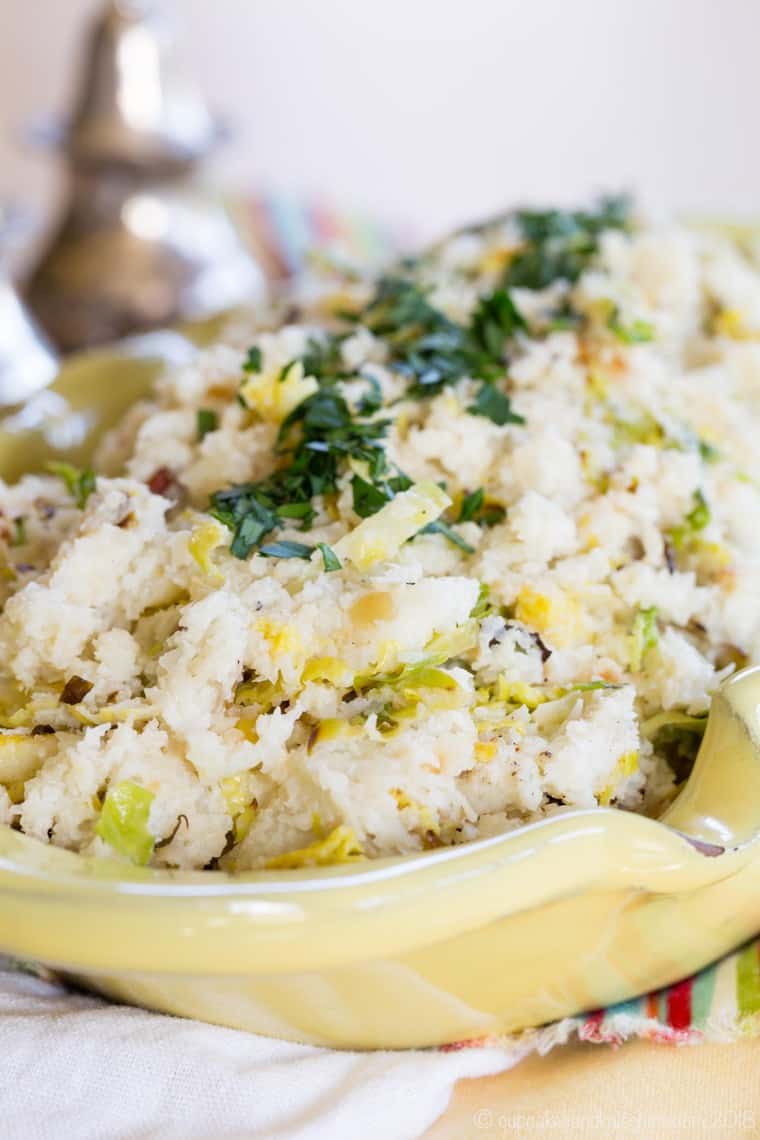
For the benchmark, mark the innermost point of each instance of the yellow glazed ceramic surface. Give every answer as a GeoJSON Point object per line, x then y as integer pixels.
{"type": "Point", "coordinates": [568, 914]}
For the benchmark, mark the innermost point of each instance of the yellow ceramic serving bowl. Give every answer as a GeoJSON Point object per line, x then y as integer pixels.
{"type": "Point", "coordinates": [585, 909]}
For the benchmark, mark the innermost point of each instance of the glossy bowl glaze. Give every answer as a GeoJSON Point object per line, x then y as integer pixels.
{"type": "Point", "coordinates": [564, 915]}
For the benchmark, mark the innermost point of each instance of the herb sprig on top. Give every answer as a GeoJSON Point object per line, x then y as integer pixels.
{"type": "Point", "coordinates": [560, 244]}
{"type": "Point", "coordinates": [324, 434]}
{"type": "Point", "coordinates": [327, 434]}
{"type": "Point", "coordinates": [319, 438]}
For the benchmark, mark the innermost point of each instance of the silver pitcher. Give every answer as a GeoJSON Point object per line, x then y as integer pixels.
{"type": "Point", "coordinates": [140, 244]}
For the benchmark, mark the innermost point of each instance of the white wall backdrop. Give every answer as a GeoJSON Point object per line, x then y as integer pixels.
{"type": "Point", "coordinates": [436, 110]}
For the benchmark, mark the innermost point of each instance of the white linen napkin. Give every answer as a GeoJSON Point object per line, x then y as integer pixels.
{"type": "Point", "coordinates": [77, 1068]}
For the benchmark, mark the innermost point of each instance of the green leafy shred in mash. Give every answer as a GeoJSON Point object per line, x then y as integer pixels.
{"type": "Point", "coordinates": [696, 520]}
{"type": "Point", "coordinates": [79, 484]}
{"type": "Point", "coordinates": [123, 822]}
{"type": "Point", "coordinates": [644, 636]}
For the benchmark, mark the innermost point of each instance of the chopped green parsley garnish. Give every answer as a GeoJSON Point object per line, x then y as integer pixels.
{"type": "Point", "coordinates": [372, 400]}
{"type": "Point", "coordinates": [432, 350]}
{"type": "Point", "coordinates": [448, 532]}
{"type": "Point", "coordinates": [328, 435]}
{"type": "Point", "coordinates": [471, 505]}
{"type": "Point", "coordinates": [323, 360]}
{"type": "Point", "coordinates": [286, 550]}
{"type": "Point", "coordinates": [323, 435]}
{"type": "Point", "coordinates": [368, 498]}
{"type": "Point", "coordinates": [560, 244]}
{"type": "Point", "coordinates": [424, 344]}
{"type": "Point", "coordinates": [253, 360]}
{"type": "Point", "coordinates": [208, 421]}
{"type": "Point", "coordinates": [495, 406]}
{"type": "Point", "coordinates": [495, 321]}
{"type": "Point", "coordinates": [474, 508]}
{"type": "Point", "coordinates": [330, 559]}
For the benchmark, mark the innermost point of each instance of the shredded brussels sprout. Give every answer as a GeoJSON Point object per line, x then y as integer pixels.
{"type": "Point", "coordinates": [123, 822]}
{"type": "Point", "coordinates": [380, 536]}
{"type": "Point", "coordinates": [644, 636]}
{"type": "Point", "coordinates": [340, 846]}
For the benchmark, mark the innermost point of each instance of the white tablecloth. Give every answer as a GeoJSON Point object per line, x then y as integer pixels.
{"type": "Point", "coordinates": [75, 1068]}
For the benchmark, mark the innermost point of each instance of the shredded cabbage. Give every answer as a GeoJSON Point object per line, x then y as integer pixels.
{"type": "Point", "coordinates": [685, 534]}
{"type": "Point", "coordinates": [731, 323]}
{"type": "Point", "coordinates": [275, 394]}
{"type": "Point", "coordinates": [203, 541]}
{"type": "Point", "coordinates": [443, 646]}
{"type": "Point", "coordinates": [330, 669]}
{"type": "Point", "coordinates": [485, 750]}
{"type": "Point", "coordinates": [26, 716]}
{"type": "Point", "coordinates": [240, 804]}
{"type": "Point", "coordinates": [340, 846]}
{"type": "Point", "coordinates": [412, 675]}
{"type": "Point", "coordinates": [518, 693]}
{"type": "Point", "coordinates": [21, 755]}
{"type": "Point", "coordinates": [557, 616]}
{"type": "Point", "coordinates": [123, 822]}
{"type": "Point", "coordinates": [427, 820]}
{"type": "Point", "coordinates": [644, 636]}
{"type": "Point", "coordinates": [334, 728]}
{"type": "Point", "coordinates": [381, 535]}
{"type": "Point", "coordinates": [627, 765]}
{"type": "Point", "coordinates": [129, 712]}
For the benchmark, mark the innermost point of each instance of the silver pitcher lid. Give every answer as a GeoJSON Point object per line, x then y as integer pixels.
{"type": "Point", "coordinates": [132, 107]}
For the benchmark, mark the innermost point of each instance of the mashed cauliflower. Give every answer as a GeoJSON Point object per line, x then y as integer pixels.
{"type": "Point", "coordinates": [435, 555]}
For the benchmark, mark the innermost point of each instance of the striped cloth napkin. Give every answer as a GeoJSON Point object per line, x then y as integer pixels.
{"type": "Point", "coordinates": [284, 230]}
{"type": "Point", "coordinates": [720, 1004]}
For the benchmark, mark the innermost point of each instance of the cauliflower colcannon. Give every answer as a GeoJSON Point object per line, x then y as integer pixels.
{"type": "Point", "coordinates": [423, 558]}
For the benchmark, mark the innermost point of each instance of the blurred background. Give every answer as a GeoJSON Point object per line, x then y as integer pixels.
{"type": "Point", "coordinates": [430, 112]}
{"type": "Point", "coordinates": [356, 126]}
